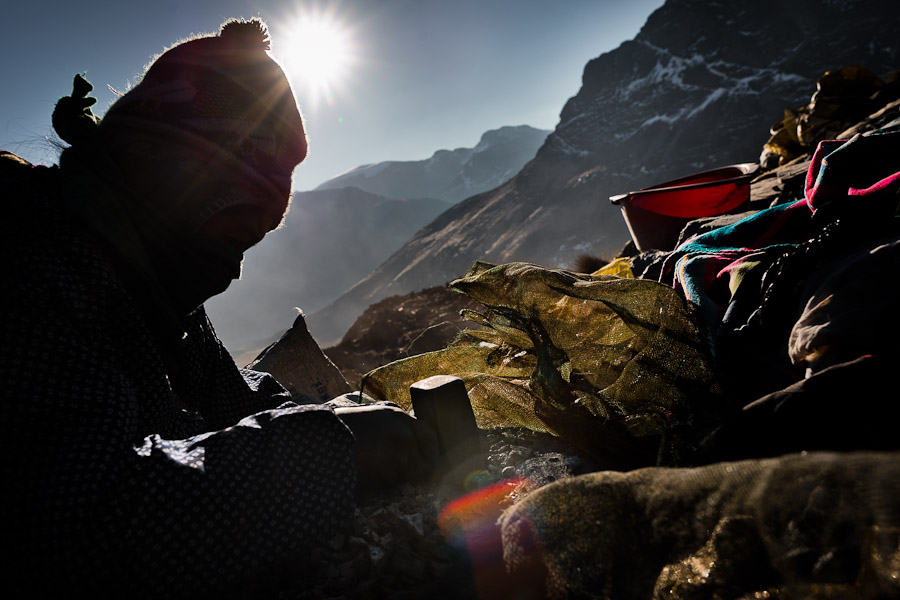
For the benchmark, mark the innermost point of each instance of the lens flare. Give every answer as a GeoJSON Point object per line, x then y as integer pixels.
{"type": "Point", "coordinates": [477, 511]}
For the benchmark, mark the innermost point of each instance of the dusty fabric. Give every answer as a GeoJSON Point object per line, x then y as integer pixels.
{"type": "Point", "coordinates": [744, 282]}
{"type": "Point", "coordinates": [801, 526]}
{"type": "Point", "coordinates": [845, 407]}
{"type": "Point", "coordinates": [864, 168]}
{"type": "Point", "coordinates": [842, 98]}
{"type": "Point", "coordinates": [133, 459]}
{"type": "Point", "coordinates": [836, 324]}
{"type": "Point", "coordinates": [620, 267]}
{"type": "Point", "coordinates": [709, 269]}
{"type": "Point", "coordinates": [601, 360]}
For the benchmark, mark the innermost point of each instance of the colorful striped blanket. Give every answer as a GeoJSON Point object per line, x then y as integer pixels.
{"type": "Point", "coordinates": [854, 180]}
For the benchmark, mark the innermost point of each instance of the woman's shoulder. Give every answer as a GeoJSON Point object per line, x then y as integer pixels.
{"type": "Point", "coordinates": [12, 166]}
{"type": "Point", "coordinates": [16, 171]}
{"type": "Point", "coordinates": [25, 188]}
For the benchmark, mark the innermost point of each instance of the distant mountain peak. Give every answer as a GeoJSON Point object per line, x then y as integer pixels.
{"type": "Point", "coordinates": [449, 175]}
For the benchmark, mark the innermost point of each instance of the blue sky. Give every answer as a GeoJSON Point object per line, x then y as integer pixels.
{"type": "Point", "coordinates": [420, 74]}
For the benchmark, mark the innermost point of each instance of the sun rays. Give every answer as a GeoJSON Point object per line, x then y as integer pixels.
{"type": "Point", "coordinates": [318, 52]}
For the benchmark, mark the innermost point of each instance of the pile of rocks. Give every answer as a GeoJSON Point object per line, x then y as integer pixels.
{"type": "Point", "coordinates": [395, 548]}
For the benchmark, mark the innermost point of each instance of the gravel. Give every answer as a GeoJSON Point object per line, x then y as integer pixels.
{"type": "Point", "coordinates": [395, 549]}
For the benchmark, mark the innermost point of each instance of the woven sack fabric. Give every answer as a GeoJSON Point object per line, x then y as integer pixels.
{"type": "Point", "coordinates": [599, 359]}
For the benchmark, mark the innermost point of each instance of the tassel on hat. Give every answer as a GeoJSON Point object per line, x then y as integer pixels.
{"type": "Point", "coordinates": [72, 117]}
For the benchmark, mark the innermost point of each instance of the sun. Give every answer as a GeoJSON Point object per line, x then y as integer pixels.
{"type": "Point", "coordinates": [317, 53]}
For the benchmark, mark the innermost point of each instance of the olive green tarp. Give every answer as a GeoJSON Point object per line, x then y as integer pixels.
{"type": "Point", "coordinates": [613, 364]}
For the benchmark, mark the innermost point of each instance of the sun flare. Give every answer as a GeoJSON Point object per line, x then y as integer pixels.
{"type": "Point", "coordinates": [317, 53]}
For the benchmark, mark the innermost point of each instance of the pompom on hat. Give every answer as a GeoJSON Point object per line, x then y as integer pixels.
{"type": "Point", "coordinates": [225, 97]}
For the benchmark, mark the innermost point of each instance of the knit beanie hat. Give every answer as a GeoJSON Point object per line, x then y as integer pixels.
{"type": "Point", "coordinates": [212, 125]}
{"type": "Point", "coordinates": [228, 101]}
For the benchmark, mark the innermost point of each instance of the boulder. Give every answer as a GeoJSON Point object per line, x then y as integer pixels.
{"type": "Point", "coordinates": [298, 364]}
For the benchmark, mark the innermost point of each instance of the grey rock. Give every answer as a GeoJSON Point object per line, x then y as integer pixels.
{"type": "Point", "coordinates": [298, 364]}
{"type": "Point", "coordinates": [546, 469]}
{"type": "Point", "coordinates": [408, 565]}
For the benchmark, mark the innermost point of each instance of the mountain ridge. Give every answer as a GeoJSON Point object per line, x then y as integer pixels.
{"type": "Point", "coordinates": [450, 175]}
{"type": "Point", "coordinates": [330, 238]}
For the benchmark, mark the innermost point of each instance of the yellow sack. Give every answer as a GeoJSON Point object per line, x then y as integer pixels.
{"type": "Point", "coordinates": [613, 364]}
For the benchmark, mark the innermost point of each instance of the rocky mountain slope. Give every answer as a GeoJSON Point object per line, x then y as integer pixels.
{"type": "Point", "coordinates": [450, 175]}
{"type": "Point", "coordinates": [335, 235]}
{"type": "Point", "coordinates": [400, 326]}
{"type": "Point", "coordinates": [697, 88]}
{"type": "Point", "coordinates": [330, 238]}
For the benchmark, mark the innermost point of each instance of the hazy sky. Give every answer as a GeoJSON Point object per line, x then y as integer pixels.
{"type": "Point", "coordinates": [411, 76]}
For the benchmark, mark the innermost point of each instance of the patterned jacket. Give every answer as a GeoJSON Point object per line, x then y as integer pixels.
{"type": "Point", "coordinates": [133, 462]}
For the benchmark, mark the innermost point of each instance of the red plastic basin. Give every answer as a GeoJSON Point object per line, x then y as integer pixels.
{"type": "Point", "coordinates": [656, 215]}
